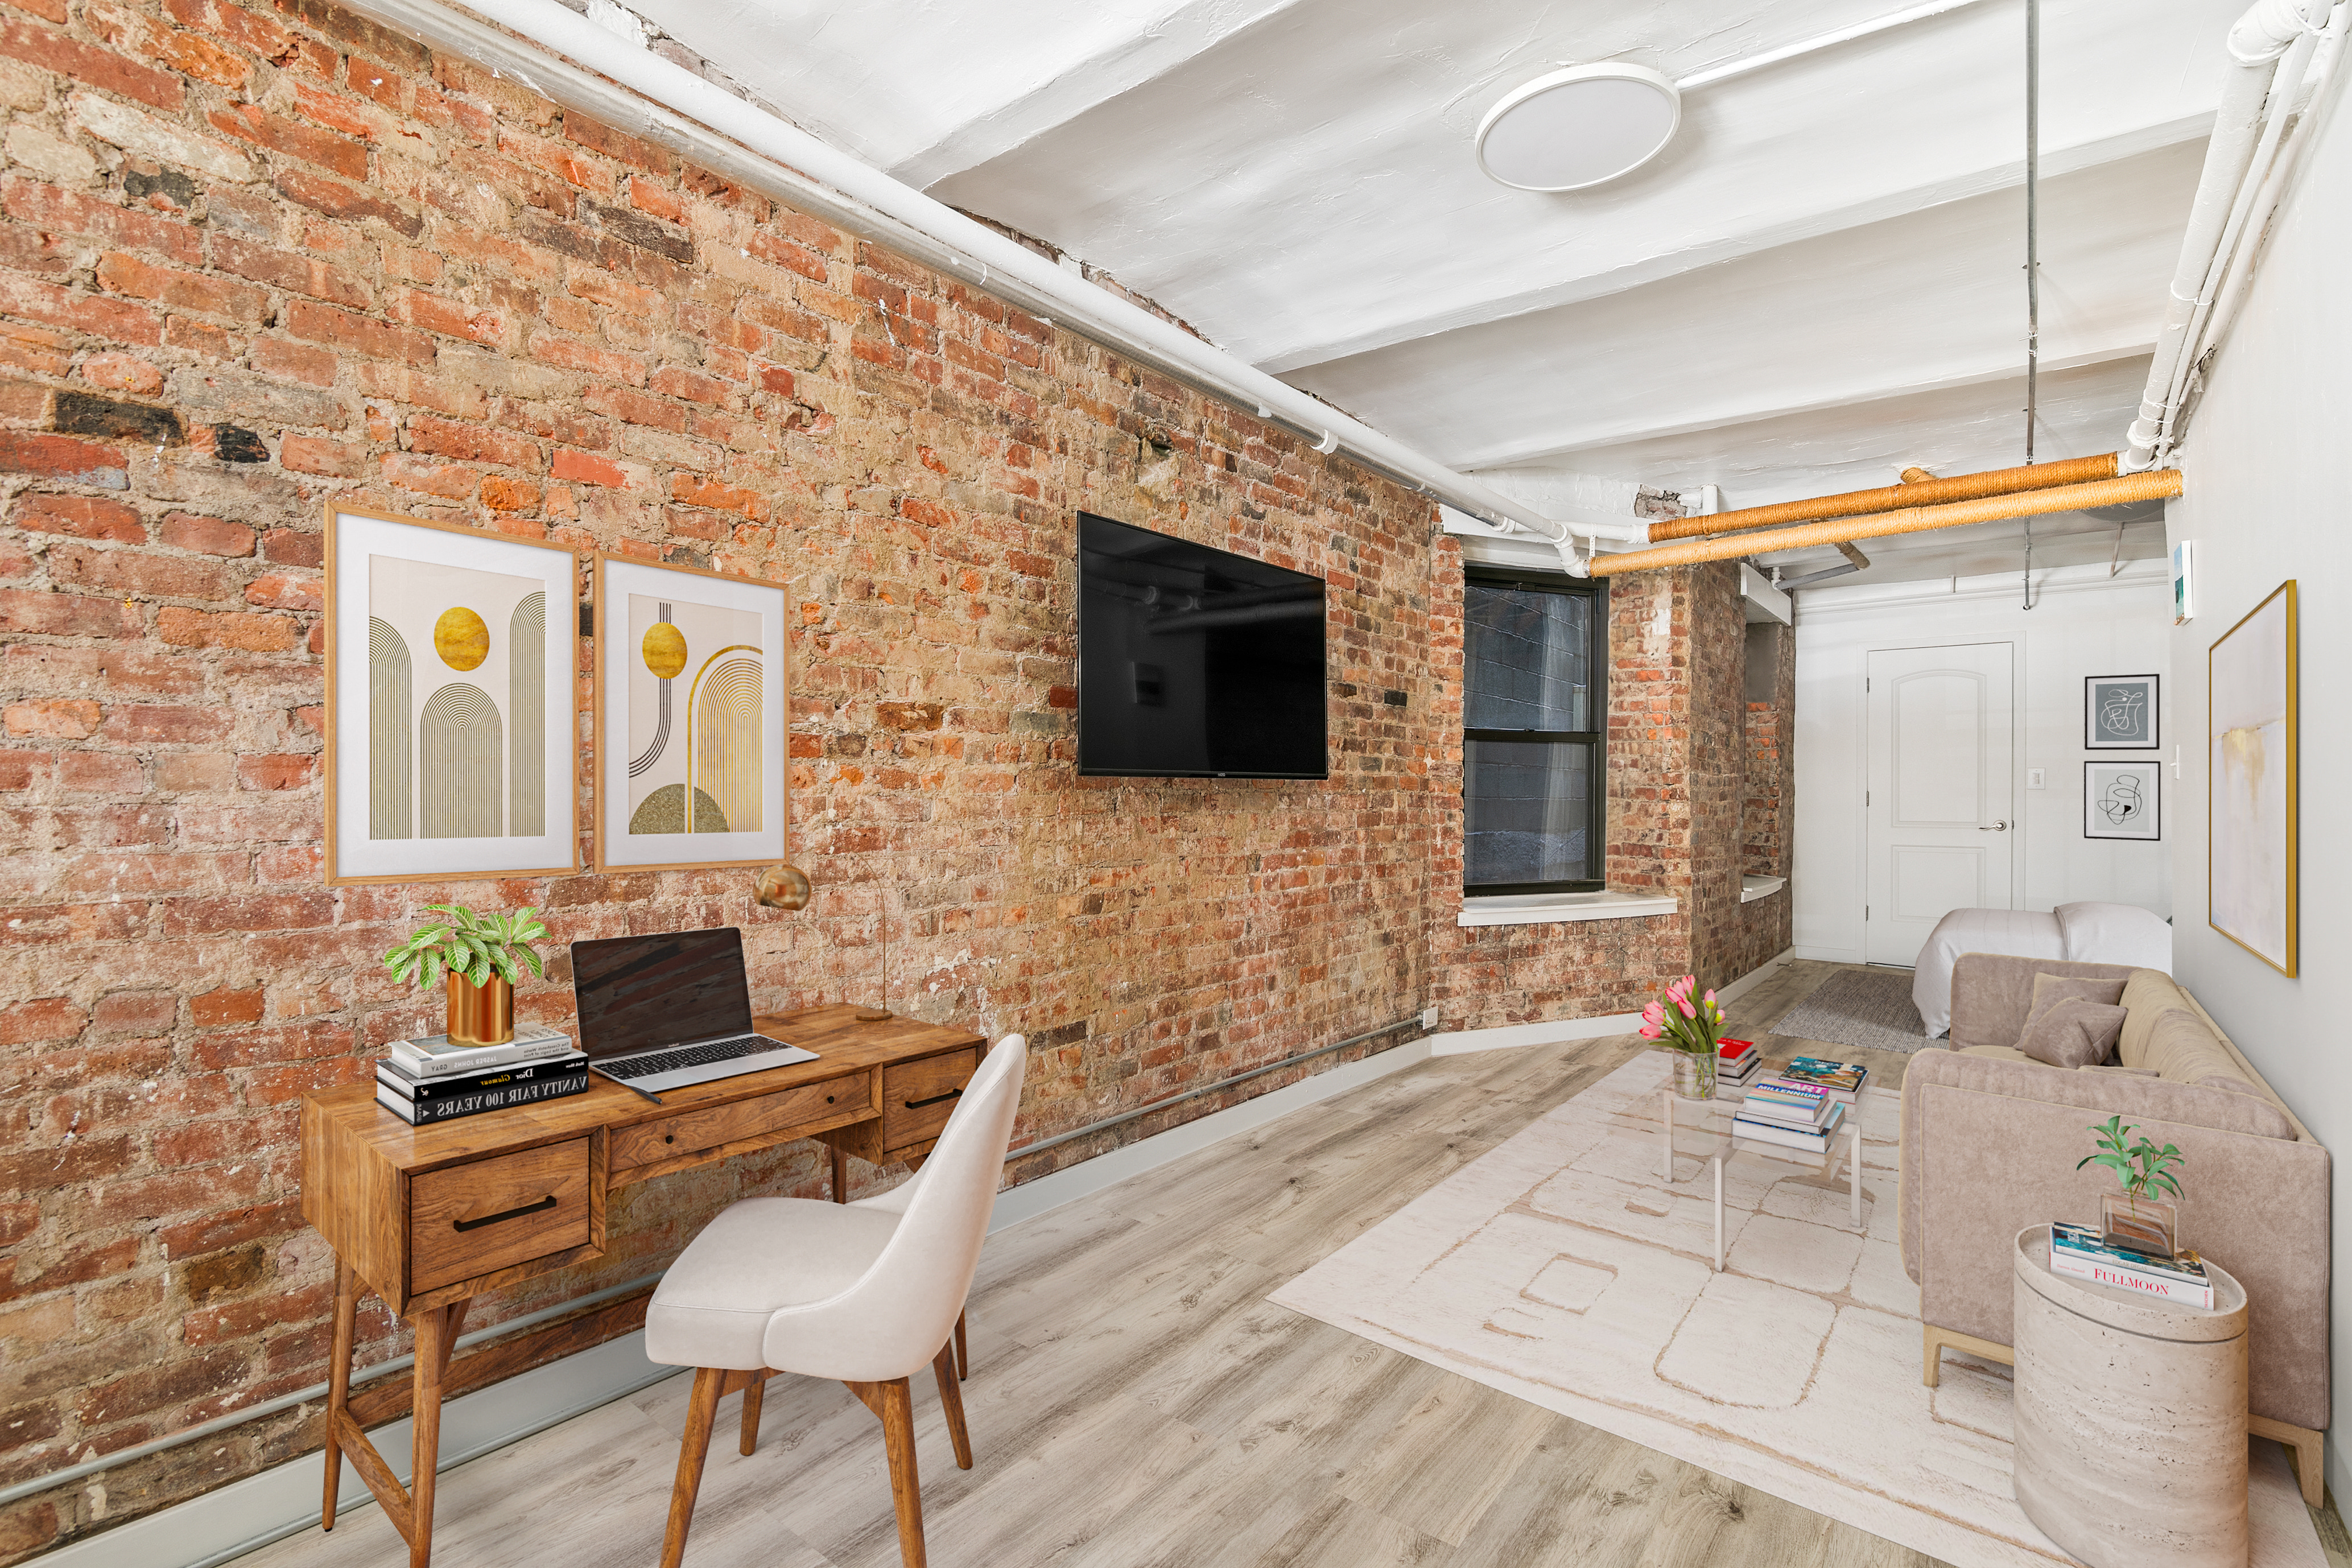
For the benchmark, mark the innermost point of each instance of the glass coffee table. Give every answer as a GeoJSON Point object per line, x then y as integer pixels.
{"type": "Point", "coordinates": [1713, 1125]}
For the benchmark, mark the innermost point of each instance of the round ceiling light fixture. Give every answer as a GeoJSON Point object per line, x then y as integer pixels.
{"type": "Point", "coordinates": [1580, 127]}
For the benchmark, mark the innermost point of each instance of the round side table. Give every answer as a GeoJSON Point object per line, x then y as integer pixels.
{"type": "Point", "coordinates": [2130, 1418]}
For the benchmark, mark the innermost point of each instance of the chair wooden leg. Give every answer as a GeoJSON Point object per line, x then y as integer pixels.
{"type": "Point", "coordinates": [701, 1413]}
{"type": "Point", "coordinates": [963, 1356]}
{"type": "Point", "coordinates": [751, 1397]}
{"type": "Point", "coordinates": [896, 1407]}
{"type": "Point", "coordinates": [840, 1176]}
{"type": "Point", "coordinates": [339, 1382]}
{"type": "Point", "coordinates": [951, 1401]}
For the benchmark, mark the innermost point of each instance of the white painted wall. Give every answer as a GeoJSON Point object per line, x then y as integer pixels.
{"type": "Point", "coordinates": [2084, 623]}
{"type": "Point", "coordinates": [2263, 469]}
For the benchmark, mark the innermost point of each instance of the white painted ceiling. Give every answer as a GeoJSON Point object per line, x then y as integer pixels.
{"type": "Point", "coordinates": [1819, 283]}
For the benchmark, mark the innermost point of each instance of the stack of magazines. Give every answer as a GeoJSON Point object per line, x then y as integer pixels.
{"type": "Point", "coordinates": [1793, 1115]}
{"type": "Point", "coordinates": [1842, 1081]}
{"type": "Point", "coordinates": [2080, 1251]}
{"type": "Point", "coordinates": [430, 1079]}
{"type": "Point", "coordinates": [1734, 1063]}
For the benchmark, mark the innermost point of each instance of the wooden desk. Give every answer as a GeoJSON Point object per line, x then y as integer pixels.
{"type": "Point", "coordinates": [428, 1217]}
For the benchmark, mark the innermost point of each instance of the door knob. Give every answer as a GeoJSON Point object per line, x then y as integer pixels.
{"type": "Point", "coordinates": [1996, 828]}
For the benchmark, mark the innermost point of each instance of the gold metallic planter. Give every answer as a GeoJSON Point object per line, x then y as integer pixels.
{"type": "Point", "coordinates": [480, 1014]}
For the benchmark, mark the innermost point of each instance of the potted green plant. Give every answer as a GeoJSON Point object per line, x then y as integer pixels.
{"type": "Point", "coordinates": [2136, 1217]}
{"type": "Point", "coordinates": [1689, 1027]}
{"type": "Point", "coordinates": [483, 957]}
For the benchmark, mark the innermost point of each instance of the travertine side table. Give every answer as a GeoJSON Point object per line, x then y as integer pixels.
{"type": "Point", "coordinates": [2131, 1418]}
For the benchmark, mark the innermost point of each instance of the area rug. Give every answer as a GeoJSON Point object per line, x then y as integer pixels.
{"type": "Point", "coordinates": [1562, 1268]}
{"type": "Point", "coordinates": [1859, 1007]}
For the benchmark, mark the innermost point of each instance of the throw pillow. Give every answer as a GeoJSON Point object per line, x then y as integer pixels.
{"type": "Point", "coordinates": [2048, 990]}
{"type": "Point", "coordinates": [2073, 1032]}
{"type": "Point", "coordinates": [2147, 994]}
{"type": "Point", "coordinates": [2183, 1050]}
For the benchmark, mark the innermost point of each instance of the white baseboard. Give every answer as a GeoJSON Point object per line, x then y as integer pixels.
{"type": "Point", "coordinates": [249, 1514]}
{"type": "Point", "coordinates": [1463, 1042]}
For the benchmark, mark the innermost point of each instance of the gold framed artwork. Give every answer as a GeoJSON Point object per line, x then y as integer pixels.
{"type": "Point", "coordinates": [2251, 786]}
{"type": "Point", "coordinates": [451, 724]}
{"type": "Point", "coordinates": [690, 718]}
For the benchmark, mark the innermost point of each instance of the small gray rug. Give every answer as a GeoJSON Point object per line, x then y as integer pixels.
{"type": "Point", "coordinates": [1870, 1009]}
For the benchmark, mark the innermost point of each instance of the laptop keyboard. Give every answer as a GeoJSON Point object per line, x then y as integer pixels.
{"type": "Point", "coordinates": [689, 1057]}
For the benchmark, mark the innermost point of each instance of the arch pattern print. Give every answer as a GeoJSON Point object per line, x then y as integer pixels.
{"type": "Point", "coordinates": [391, 760]}
{"type": "Point", "coordinates": [527, 711]}
{"type": "Point", "coordinates": [459, 750]}
{"type": "Point", "coordinates": [727, 749]}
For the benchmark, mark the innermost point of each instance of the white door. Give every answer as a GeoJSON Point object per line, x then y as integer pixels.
{"type": "Point", "coordinates": [1940, 810]}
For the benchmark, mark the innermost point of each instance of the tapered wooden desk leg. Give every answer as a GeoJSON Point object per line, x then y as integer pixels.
{"type": "Point", "coordinates": [700, 1412]}
{"type": "Point", "coordinates": [963, 1356]}
{"type": "Point", "coordinates": [433, 1336]}
{"type": "Point", "coordinates": [338, 1382]}
{"type": "Point", "coordinates": [840, 1177]}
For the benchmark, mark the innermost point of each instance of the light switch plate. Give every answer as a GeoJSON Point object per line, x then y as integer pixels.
{"type": "Point", "coordinates": [2034, 779]}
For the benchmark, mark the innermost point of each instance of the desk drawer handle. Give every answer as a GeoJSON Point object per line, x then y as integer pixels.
{"type": "Point", "coordinates": [935, 1100]}
{"type": "Point", "coordinates": [542, 1204]}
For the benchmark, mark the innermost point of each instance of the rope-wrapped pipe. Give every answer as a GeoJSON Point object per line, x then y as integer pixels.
{"type": "Point", "coordinates": [2155, 484]}
{"type": "Point", "coordinates": [1926, 491]}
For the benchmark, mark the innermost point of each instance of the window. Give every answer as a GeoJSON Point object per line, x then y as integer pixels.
{"type": "Point", "coordinates": [1536, 686]}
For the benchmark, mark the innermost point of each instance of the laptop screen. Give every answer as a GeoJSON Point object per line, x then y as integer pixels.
{"type": "Point", "coordinates": [639, 992]}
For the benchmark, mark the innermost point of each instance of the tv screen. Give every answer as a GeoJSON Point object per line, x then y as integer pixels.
{"type": "Point", "coordinates": [1195, 663]}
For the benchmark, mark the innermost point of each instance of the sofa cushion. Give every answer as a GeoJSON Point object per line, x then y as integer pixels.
{"type": "Point", "coordinates": [2048, 990]}
{"type": "Point", "coordinates": [2147, 994]}
{"type": "Point", "coordinates": [2073, 1032]}
{"type": "Point", "coordinates": [1998, 1053]}
{"type": "Point", "coordinates": [2183, 1050]}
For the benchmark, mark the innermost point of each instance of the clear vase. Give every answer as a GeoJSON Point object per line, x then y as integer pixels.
{"type": "Point", "coordinates": [1695, 1075]}
{"type": "Point", "coordinates": [2142, 1224]}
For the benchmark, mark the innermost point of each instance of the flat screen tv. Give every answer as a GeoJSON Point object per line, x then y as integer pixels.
{"type": "Point", "coordinates": [1195, 663]}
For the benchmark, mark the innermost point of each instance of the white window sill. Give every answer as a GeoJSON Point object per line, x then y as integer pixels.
{"type": "Point", "coordinates": [1536, 909]}
{"type": "Point", "coordinates": [1754, 888]}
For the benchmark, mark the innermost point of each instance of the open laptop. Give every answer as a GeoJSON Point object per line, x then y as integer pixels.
{"type": "Point", "coordinates": [669, 1010]}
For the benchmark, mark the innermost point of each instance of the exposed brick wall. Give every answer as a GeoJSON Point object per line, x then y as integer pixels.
{"type": "Point", "coordinates": [1769, 818]}
{"type": "Point", "coordinates": [1764, 844]}
{"type": "Point", "coordinates": [253, 261]}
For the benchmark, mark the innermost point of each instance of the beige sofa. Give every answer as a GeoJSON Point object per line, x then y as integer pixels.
{"type": "Point", "coordinates": [1990, 1141]}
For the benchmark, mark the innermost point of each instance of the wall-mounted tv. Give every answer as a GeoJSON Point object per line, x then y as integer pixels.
{"type": "Point", "coordinates": [1195, 663]}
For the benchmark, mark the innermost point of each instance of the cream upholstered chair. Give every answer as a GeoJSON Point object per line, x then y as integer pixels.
{"type": "Point", "coordinates": [864, 1292]}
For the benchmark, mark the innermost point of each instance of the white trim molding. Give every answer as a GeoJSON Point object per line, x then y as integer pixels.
{"type": "Point", "coordinates": [1536, 909]}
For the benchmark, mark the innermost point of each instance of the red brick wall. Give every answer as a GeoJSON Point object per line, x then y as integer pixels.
{"type": "Point", "coordinates": [255, 260]}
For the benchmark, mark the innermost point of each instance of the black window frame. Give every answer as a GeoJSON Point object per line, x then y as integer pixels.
{"type": "Point", "coordinates": [1596, 741]}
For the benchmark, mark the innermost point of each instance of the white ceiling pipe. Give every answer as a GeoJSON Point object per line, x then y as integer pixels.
{"type": "Point", "coordinates": [1791, 51]}
{"type": "Point", "coordinates": [2249, 93]}
{"type": "Point", "coordinates": [2231, 296]}
{"type": "Point", "coordinates": [722, 133]}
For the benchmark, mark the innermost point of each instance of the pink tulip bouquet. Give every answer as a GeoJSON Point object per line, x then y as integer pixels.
{"type": "Point", "coordinates": [1691, 1025]}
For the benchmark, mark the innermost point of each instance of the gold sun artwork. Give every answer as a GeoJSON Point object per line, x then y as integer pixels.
{"type": "Point", "coordinates": [664, 649]}
{"type": "Point", "coordinates": [460, 639]}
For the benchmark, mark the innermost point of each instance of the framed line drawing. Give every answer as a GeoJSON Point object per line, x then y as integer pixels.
{"type": "Point", "coordinates": [691, 682]}
{"type": "Point", "coordinates": [2123, 800]}
{"type": "Point", "coordinates": [2121, 713]}
{"type": "Point", "coordinates": [2251, 791]}
{"type": "Point", "coordinates": [451, 724]}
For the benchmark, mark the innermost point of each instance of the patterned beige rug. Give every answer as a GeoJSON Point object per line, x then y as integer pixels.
{"type": "Point", "coordinates": [1870, 1009]}
{"type": "Point", "coordinates": [1561, 1268]}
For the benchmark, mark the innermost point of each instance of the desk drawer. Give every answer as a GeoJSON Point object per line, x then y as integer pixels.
{"type": "Point", "coordinates": [917, 1097]}
{"type": "Point", "coordinates": [813, 1107]}
{"type": "Point", "coordinates": [492, 1213]}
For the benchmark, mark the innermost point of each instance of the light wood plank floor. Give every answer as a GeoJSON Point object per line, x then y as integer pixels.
{"type": "Point", "coordinates": [1135, 1401]}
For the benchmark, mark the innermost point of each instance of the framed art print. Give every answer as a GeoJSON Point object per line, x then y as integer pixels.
{"type": "Point", "coordinates": [2121, 800]}
{"type": "Point", "coordinates": [2251, 786]}
{"type": "Point", "coordinates": [451, 725]}
{"type": "Point", "coordinates": [2119, 712]}
{"type": "Point", "coordinates": [690, 718]}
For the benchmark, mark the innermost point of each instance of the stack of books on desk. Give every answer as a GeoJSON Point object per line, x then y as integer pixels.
{"type": "Point", "coordinates": [2077, 1250]}
{"type": "Point", "coordinates": [1795, 1116]}
{"type": "Point", "coordinates": [1734, 1063]}
{"type": "Point", "coordinates": [426, 1080]}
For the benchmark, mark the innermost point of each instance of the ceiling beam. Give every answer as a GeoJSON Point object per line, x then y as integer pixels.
{"type": "Point", "coordinates": [1668, 264]}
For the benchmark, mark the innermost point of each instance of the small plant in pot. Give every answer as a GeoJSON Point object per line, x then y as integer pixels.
{"type": "Point", "coordinates": [1689, 1026]}
{"type": "Point", "coordinates": [2136, 1219]}
{"type": "Point", "coordinates": [483, 958]}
